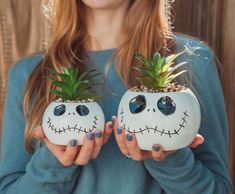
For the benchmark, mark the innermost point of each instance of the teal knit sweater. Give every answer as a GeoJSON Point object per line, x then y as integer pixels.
{"type": "Point", "coordinates": [203, 170]}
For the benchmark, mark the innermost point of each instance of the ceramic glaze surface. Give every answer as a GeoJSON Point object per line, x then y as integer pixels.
{"type": "Point", "coordinates": [63, 122]}
{"type": "Point", "coordinates": [170, 119]}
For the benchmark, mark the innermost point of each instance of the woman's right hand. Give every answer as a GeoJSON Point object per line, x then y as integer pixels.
{"type": "Point", "coordinates": [73, 154]}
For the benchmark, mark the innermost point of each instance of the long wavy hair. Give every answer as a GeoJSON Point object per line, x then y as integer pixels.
{"type": "Point", "coordinates": [147, 29]}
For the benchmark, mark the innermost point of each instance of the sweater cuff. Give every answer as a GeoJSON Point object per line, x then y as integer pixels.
{"type": "Point", "coordinates": [177, 155]}
{"type": "Point", "coordinates": [179, 158]}
{"type": "Point", "coordinates": [45, 167]}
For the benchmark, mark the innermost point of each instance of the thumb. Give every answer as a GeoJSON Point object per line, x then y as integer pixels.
{"type": "Point", "coordinates": [197, 141]}
{"type": "Point", "coordinates": [39, 133]}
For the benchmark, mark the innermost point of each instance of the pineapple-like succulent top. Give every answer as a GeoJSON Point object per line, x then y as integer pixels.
{"type": "Point", "coordinates": [72, 86]}
{"type": "Point", "coordinates": [158, 74]}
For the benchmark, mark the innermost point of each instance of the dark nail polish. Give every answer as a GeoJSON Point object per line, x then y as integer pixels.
{"type": "Point", "coordinates": [156, 148]}
{"type": "Point", "coordinates": [119, 131]}
{"type": "Point", "coordinates": [111, 125]}
{"type": "Point", "coordinates": [98, 135]}
{"type": "Point", "coordinates": [73, 143]}
{"type": "Point", "coordinates": [90, 136]}
{"type": "Point", "coordinates": [129, 137]}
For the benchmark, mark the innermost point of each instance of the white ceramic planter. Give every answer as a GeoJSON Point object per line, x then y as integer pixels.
{"type": "Point", "coordinates": [63, 122]}
{"type": "Point", "coordinates": [169, 119]}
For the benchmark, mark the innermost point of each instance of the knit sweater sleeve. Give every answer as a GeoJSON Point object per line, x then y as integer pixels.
{"type": "Point", "coordinates": [202, 170]}
{"type": "Point", "coordinates": [19, 171]}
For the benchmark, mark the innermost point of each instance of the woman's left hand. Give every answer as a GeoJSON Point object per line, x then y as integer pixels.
{"type": "Point", "coordinates": [129, 147]}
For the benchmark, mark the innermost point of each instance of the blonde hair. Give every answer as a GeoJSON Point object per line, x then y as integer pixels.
{"type": "Point", "coordinates": [147, 28]}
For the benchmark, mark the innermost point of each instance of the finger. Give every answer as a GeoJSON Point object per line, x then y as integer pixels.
{"type": "Point", "coordinates": [68, 156]}
{"type": "Point", "coordinates": [57, 150]}
{"type": "Point", "coordinates": [197, 141]}
{"type": "Point", "coordinates": [133, 148]}
{"type": "Point", "coordinates": [158, 153]}
{"type": "Point", "coordinates": [86, 151]}
{"type": "Point", "coordinates": [146, 154]}
{"type": "Point", "coordinates": [115, 122]}
{"type": "Point", "coordinates": [63, 154]}
{"type": "Point", "coordinates": [98, 144]}
{"type": "Point", "coordinates": [108, 129]}
{"type": "Point", "coordinates": [79, 148]}
{"type": "Point", "coordinates": [120, 136]}
{"type": "Point", "coordinates": [121, 140]}
{"type": "Point", "coordinates": [39, 133]}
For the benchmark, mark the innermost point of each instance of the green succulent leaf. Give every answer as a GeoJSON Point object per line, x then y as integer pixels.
{"type": "Point", "coordinates": [60, 94]}
{"type": "Point", "coordinates": [71, 86]}
{"type": "Point", "coordinates": [170, 60]}
{"type": "Point", "coordinates": [94, 75]}
{"type": "Point", "coordinates": [172, 77]}
{"type": "Point", "coordinates": [87, 75]}
{"type": "Point", "coordinates": [159, 72]}
{"type": "Point", "coordinates": [161, 62]}
{"type": "Point", "coordinates": [144, 72]}
{"type": "Point", "coordinates": [177, 66]}
{"type": "Point", "coordinates": [156, 57]}
{"type": "Point", "coordinates": [146, 62]}
{"type": "Point", "coordinates": [64, 76]}
{"type": "Point", "coordinates": [64, 87]}
{"type": "Point", "coordinates": [66, 71]}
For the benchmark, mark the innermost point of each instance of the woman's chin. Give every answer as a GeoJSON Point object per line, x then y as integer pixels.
{"type": "Point", "coordinates": [103, 4]}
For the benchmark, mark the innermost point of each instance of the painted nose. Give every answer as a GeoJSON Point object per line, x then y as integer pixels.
{"type": "Point", "coordinates": [151, 109]}
{"type": "Point", "coordinates": [71, 113]}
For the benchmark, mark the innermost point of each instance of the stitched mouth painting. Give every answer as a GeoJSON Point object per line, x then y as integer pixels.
{"type": "Point", "coordinates": [65, 121]}
{"type": "Point", "coordinates": [74, 112]}
{"type": "Point", "coordinates": [171, 120]}
{"type": "Point", "coordinates": [158, 111]}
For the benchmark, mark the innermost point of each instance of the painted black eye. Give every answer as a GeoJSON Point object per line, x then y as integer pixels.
{"type": "Point", "coordinates": [137, 104]}
{"type": "Point", "coordinates": [166, 105]}
{"type": "Point", "coordinates": [82, 110]}
{"type": "Point", "coordinates": [59, 110]}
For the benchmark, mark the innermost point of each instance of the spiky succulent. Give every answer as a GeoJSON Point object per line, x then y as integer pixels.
{"type": "Point", "coordinates": [72, 86]}
{"type": "Point", "coordinates": [158, 73]}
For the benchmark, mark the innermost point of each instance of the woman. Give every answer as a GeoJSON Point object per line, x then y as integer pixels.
{"type": "Point", "coordinates": [92, 32]}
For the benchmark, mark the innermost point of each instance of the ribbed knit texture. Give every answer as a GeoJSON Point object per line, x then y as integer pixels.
{"type": "Point", "coordinates": [202, 170]}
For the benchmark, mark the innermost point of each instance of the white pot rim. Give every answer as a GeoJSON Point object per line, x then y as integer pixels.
{"type": "Point", "coordinates": [175, 92]}
{"type": "Point", "coordinates": [59, 102]}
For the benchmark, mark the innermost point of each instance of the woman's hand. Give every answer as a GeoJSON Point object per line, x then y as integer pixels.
{"type": "Point", "coordinates": [73, 154]}
{"type": "Point", "coordinates": [129, 147]}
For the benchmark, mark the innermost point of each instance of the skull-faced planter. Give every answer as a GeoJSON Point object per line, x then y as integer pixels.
{"type": "Point", "coordinates": [170, 119]}
{"type": "Point", "coordinates": [63, 122]}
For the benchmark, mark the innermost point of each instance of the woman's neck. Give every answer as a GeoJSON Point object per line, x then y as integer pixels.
{"type": "Point", "coordinates": [105, 27]}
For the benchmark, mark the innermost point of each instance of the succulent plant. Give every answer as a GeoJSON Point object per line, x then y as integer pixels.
{"type": "Point", "coordinates": [158, 73]}
{"type": "Point", "coordinates": [72, 86]}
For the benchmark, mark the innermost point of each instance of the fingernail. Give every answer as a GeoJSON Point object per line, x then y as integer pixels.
{"type": "Point", "coordinates": [129, 137]}
{"type": "Point", "coordinates": [35, 129]}
{"type": "Point", "coordinates": [34, 133]}
{"type": "Point", "coordinates": [156, 148]}
{"type": "Point", "coordinates": [202, 141]}
{"type": "Point", "coordinates": [90, 136]}
{"type": "Point", "coordinates": [119, 131]}
{"type": "Point", "coordinates": [73, 143]}
{"type": "Point", "coordinates": [113, 119]}
{"type": "Point", "coordinates": [99, 134]}
{"type": "Point", "coordinates": [111, 125]}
